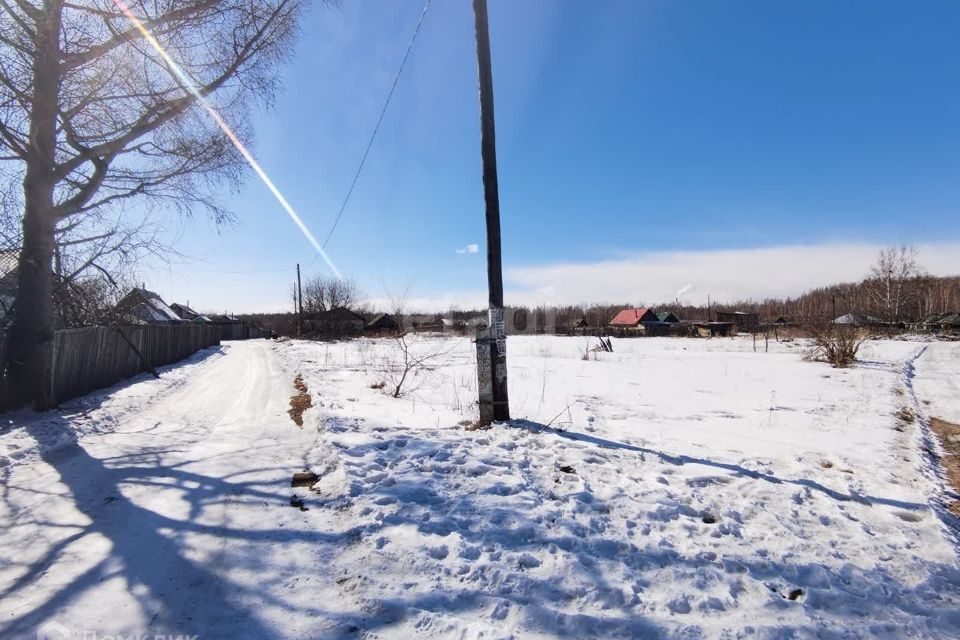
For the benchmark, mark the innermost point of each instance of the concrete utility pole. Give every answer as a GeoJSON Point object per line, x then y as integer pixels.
{"type": "Point", "coordinates": [299, 303]}
{"type": "Point", "coordinates": [491, 343]}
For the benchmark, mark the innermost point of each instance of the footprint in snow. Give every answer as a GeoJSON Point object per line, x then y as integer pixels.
{"type": "Point", "coordinates": [439, 552]}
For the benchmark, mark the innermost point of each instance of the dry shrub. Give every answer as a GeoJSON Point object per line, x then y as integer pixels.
{"type": "Point", "coordinates": [407, 364]}
{"type": "Point", "coordinates": [906, 415]}
{"type": "Point", "coordinates": [836, 344]}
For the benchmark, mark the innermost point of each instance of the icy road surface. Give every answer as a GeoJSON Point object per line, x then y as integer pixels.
{"type": "Point", "coordinates": [672, 489]}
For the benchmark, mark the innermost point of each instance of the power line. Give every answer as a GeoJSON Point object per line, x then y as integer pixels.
{"type": "Point", "coordinates": [383, 111]}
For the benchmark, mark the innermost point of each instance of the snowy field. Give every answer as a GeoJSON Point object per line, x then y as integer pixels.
{"type": "Point", "coordinates": [676, 488]}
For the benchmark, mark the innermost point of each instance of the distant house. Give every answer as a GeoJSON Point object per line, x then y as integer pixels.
{"type": "Point", "coordinates": [668, 317]}
{"type": "Point", "coordinates": [425, 323]}
{"type": "Point", "coordinates": [187, 313]}
{"type": "Point", "coordinates": [225, 319]}
{"type": "Point", "coordinates": [572, 327]}
{"type": "Point", "coordinates": [477, 322]}
{"type": "Point", "coordinates": [452, 324]}
{"type": "Point", "coordinates": [633, 318]}
{"type": "Point", "coordinates": [338, 323]}
{"type": "Point", "coordinates": [233, 328]}
{"type": "Point", "coordinates": [382, 323]}
{"type": "Point", "coordinates": [463, 326]}
{"type": "Point", "coordinates": [949, 321]}
{"type": "Point", "coordinates": [782, 321]}
{"type": "Point", "coordinates": [856, 320]}
{"type": "Point", "coordinates": [142, 306]}
{"type": "Point", "coordinates": [741, 320]}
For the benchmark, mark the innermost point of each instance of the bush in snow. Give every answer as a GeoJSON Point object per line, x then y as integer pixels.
{"type": "Point", "coordinates": [836, 344]}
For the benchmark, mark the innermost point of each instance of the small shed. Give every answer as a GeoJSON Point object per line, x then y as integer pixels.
{"type": "Point", "coordinates": [338, 322]}
{"type": "Point", "coordinates": [574, 326]}
{"type": "Point", "coordinates": [715, 329]}
{"type": "Point", "coordinates": [382, 323]}
{"type": "Point", "coordinates": [741, 320]}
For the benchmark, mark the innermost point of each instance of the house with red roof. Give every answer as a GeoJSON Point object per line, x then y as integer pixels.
{"type": "Point", "coordinates": [634, 318]}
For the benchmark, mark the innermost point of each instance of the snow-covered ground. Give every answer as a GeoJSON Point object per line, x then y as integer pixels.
{"type": "Point", "coordinates": [673, 488]}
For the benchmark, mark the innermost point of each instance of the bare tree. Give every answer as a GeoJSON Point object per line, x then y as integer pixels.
{"type": "Point", "coordinates": [87, 301]}
{"type": "Point", "coordinates": [93, 116]}
{"type": "Point", "coordinates": [892, 278]}
{"type": "Point", "coordinates": [323, 293]}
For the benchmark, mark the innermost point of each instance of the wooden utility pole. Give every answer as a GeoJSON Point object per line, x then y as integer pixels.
{"type": "Point", "coordinates": [299, 303]}
{"type": "Point", "coordinates": [491, 344]}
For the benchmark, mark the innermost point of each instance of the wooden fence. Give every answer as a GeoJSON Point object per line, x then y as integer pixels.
{"type": "Point", "coordinates": [240, 331]}
{"type": "Point", "coordinates": [96, 357]}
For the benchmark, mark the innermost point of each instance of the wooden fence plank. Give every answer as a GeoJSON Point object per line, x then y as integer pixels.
{"type": "Point", "coordinates": [95, 357]}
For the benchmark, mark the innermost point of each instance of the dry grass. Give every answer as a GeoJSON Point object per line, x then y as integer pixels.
{"type": "Point", "coordinates": [949, 435]}
{"type": "Point", "coordinates": [300, 401]}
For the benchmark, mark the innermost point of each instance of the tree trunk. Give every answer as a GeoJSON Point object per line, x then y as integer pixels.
{"type": "Point", "coordinates": [30, 352]}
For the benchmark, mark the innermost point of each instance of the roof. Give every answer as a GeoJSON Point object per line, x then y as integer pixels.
{"type": "Point", "coordinates": [176, 306]}
{"type": "Point", "coordinates": [147, 306]}
{"type": "Point", "coordinates": [385, 318]}
{"type": "Point", "coordinates": [667, 316]}
{"type": "Point", "coordinates": [737, 313]}
{"type": "Point", "coordinates": [855, 318]}
{"type": "Point", "coordinates": [339, 314]}
{"type": "Point", "coordinates": [632, 317]}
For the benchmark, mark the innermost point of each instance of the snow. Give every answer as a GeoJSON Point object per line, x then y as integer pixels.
{"type": "Point", "coordinates": [673, 488]}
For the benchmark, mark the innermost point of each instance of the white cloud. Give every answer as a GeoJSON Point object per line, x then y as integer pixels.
{"type": "Point", "coordinates": [456, 300]}
{"type": "Point", "coordinates": [723, 274]}
{"type": "Point", "coordinates": [470, 248]}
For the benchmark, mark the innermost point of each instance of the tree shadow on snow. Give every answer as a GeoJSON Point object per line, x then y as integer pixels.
{"type": "Point", "coordinates": [500, 536]}
{"type": "Point", "coordinates": [736, 469]}
{"type": "Point", "coordinates": [147, 549]}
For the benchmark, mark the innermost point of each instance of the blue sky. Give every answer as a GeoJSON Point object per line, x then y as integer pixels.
{"type": "Point", "coordinates": [631, 135]}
